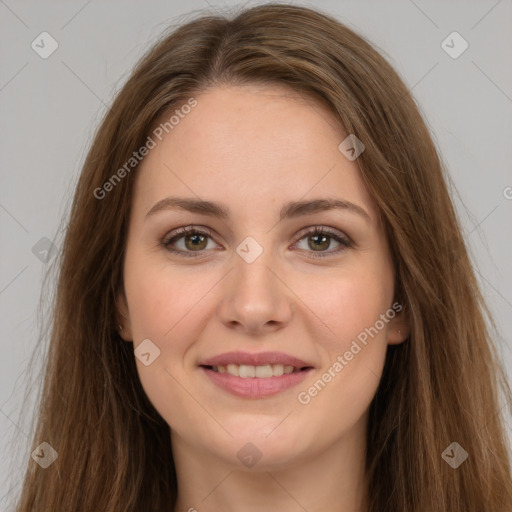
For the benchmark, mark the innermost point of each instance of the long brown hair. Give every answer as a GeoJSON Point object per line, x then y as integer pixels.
{"type": "Point", "coordinates": [440, 386]}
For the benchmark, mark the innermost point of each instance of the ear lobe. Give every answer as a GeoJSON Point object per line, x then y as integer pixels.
{"type": "Point", "coordinates": [123, 318]}
{"type": "Point", "coordinates": [399, 328]}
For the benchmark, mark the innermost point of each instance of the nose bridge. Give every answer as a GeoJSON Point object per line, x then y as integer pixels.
{"type": "Point", "coordinates": [253, 263]}
{"type": "Point", "coordinates": [254, 296]}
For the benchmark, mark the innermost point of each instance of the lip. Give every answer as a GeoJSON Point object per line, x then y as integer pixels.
{"type": "Point", "coordinates": [255, 387]}
{"type": "Point", "coordinates": [255, 359]}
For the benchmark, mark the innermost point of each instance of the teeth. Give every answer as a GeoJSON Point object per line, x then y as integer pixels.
{"type": "Point", "coordinates": [277, 370]}
{"type": "Point", "coordinates": [245, 371]}
{"type": "Point", "coordinates": [232, 369]}
{"type": "Point", "coordinates": [261, 372]}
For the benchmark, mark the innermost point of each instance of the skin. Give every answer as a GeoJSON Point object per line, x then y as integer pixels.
{"type": "Point", "coordinates": [255, 148]}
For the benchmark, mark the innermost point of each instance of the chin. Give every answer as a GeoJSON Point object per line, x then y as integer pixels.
{"type": "Point", "coordinates": [261, 447]}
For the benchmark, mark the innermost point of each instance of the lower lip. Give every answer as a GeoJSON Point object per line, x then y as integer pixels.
{"type": "Point", "coordinates": [254, 387]}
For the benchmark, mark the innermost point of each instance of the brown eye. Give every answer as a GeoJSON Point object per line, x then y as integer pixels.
{"type": "Point", "coordinates": [321, 238]}
{"type": "Point", "coordinates": [195, 241]}
{"type": "Point", "coordinates": [320, 242]}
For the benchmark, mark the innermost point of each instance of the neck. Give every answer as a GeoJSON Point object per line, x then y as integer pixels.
{"type": "Point", "coordinates": [331, 481]}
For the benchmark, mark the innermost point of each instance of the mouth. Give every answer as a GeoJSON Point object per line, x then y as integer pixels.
{"type": "Point", "coordinates": [256, 375]}
{"type": "Point", "coordinates": [259, 372]}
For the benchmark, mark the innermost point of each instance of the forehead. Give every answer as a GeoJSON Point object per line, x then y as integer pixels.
{"type": "Point", "coordinates": [260, 145]}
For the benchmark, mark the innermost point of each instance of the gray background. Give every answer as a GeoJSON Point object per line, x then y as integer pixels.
{"type": "Point", "coordinates": [51, 107]}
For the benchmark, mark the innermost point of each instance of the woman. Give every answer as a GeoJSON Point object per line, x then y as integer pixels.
{"type": "Point", "coordinates": [265, 301]}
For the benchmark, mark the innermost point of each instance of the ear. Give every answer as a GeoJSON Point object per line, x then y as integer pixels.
{"type": "Point", "coordinates": [399, 327]}
{"type": "Point", "coordinates": [123, 317]}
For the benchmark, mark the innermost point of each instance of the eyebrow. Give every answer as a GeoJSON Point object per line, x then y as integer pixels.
{"type": "Point", "coordinates": [290, 210]}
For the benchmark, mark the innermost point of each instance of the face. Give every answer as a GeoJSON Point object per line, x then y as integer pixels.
{"type": "Point", "coordinates": [222, 314]}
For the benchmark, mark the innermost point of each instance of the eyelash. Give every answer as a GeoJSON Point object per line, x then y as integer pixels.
{"type": "Point", "coordinates": [191, 230]}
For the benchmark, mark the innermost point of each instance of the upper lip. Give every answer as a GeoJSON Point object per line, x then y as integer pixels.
{"type": "Point", "coordinates": [256, 359]}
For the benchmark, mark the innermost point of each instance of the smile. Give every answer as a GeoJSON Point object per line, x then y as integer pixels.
{"type": "Point", "coordinates": [259, 372]}
{"type": "Point", "coordinates": [255, 374]}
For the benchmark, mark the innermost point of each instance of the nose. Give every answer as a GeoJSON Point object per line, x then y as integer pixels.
{"type": "Point", "coordinates": [255, 299]}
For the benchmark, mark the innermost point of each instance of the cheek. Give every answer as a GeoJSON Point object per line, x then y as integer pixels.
{"type": "Point", "coordinates": [338, 395]}
{"type": "Point", "coordinates": [354, 350]}
{"type": "Point", "coordinates": [166, 307]}
{"type": "Point", "coordinates": [170, 307]}
{"type": "Point", "coordinates": [349, 303]}
{"type": "Point", "coordinates": [161, 299]}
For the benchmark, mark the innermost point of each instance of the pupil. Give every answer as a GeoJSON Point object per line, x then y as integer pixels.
{"type": "Point", "coordinates": [195, 240]}
{"type": "Point", "coordinates": [323, 237]}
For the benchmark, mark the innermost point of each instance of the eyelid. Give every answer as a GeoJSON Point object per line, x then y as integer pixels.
{"type": "Point", "coordinates": [182, 232]}
{"type": "Point", "coordinates": [340, 237]}
{"type": "Point", "coordinates": [333, 232]}
{"type": "Point", "coordinates": [314, 230]}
